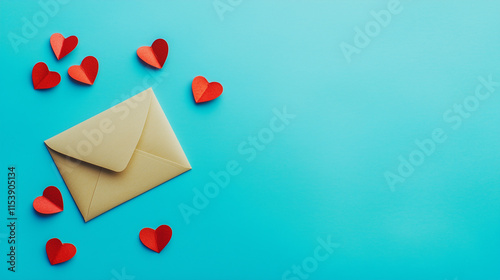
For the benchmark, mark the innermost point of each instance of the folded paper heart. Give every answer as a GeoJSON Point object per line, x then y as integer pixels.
{"type": "Point", "coordinates": [86, 72]}
{"type": "Point", "coordinates": [62, 46]}
{"type": "Point", "coordinates": [50, 202]}
{"type": "Point", "coordinates": [157, 239]}
{"type": "Point", "coordinates": [43, 78]}
{"type": "Point", "coordinates": [204, 91]}
{"type": "Point", "coordinates": [154, 55]}
{"type": "Point", "coordinates": [57, 252]}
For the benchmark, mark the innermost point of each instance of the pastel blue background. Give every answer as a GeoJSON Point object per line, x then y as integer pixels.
{"type": "Point", "coordinates": [321, 176]}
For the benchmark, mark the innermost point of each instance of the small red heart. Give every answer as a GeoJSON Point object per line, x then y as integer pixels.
{"type": "Point", "coordinates": [86, 72]}
{"type": "Point", "coordinates": [154, 55]}
{"type": "Point", "coordinates": [43, 78]}
{"type": "Point", "coordinates": [204, 91]}
{"type": "Point", "coordinates": [62, 46]}
{"type": "Point", "coordinates": [50, 202]}
{"type": "Point", "coordinates": [157, 239]}
{"type": "Point", "coordinates": [57, 252]}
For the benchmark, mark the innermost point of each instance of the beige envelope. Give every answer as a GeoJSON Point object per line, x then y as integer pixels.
{"type": "Point", "coordinates": [118, 154]}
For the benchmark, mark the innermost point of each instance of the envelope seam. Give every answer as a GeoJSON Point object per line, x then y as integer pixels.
{"type": "Point", "coordinates": [73, 154]}
{"type": "Point", "coordinates": [93, 193]}
{"type": "Point", "coordinates": [162, 159]}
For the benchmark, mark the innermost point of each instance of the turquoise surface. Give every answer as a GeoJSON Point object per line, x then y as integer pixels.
{"type": "Point", "coordinates": [385, 164]}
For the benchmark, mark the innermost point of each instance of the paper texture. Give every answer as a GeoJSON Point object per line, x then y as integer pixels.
{"type": "Point", "coordinates": [118, 154]}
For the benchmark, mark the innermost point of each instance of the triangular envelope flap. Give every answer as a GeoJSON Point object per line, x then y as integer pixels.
{"type": "Point", "coordinates": [80, 177]}
{"type": "Point", "coordinates": [158, 137]}
{"type": "Point", "coordinates": [108, 139]}
{"type": "Point", "coordinates": [144, 172]}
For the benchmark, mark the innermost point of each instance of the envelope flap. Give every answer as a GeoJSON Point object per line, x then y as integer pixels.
{"type": "Point", "coordinates": [108, 139]}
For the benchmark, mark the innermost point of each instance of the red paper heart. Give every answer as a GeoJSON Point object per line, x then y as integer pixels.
{"type": "Point", "coordinates": [154, 55]}
{"type": "Point", "coordinates": [157, 239]}
{"type": "Point", "coordinates": [204, 91]}
{"type": "Point", "coordinates": [43, 78]}
{"type": "Point", "coordinates": [50, 202]}
{"type": "Point", "coordinates": [86, 72]}
{"type": "Point", "coordinates": [62, 46]}
{"type": "Point", "coordinates": [57, 252]}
